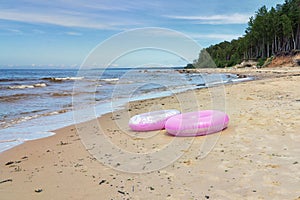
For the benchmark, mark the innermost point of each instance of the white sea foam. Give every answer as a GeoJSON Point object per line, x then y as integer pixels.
{"type": "Point", "coordinates": [20, 86]}
{"type": "Point", "coordinates": [27, 86]}
{"type": "Point", "coordinates": [242, 79]}
{"type": "Point", "coordinates": [28, 118]}
{"type": "Point", "coordinates": [110, 79]}
{"type": "Point", "coordinates": [40, 85]}
{"type": "Point", "coordinates": [9, 140]}
{"type": "Point", "coordinates": [68, 78]}
{"type": "Point", "coordinates": [60, 79]}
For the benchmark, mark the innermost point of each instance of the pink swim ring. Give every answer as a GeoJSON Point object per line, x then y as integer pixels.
{"type": "Point", "coordinates": [197, 123]}
{"type": "Point", "coordinates": [152, 120]}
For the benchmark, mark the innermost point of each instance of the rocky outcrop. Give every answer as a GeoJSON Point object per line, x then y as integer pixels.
{"type": "Point", "coordinates": [296, 59]}
{"type": "Point", "coordinates": [285, 61]}
{"type": "Point", "coordinates": [247, 63]}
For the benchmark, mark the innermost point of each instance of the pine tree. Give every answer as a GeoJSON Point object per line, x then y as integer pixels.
{"type": "Point", "coordinates": [269, 33]}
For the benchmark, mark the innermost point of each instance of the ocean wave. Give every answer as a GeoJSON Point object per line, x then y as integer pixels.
{"type": "Point", "coordinates": [65, 94]}
{"type": "Point", "coordinates": [16, 97]}
{"type": "Point", "coordinates": [27, 86]}
{"type": "Point", "coordinates": [57, 94]}
{"type": "Point", "coordinates": [9, 140]}
{"type": "Point", "coordinates": [124, 82]}
{"type": "Point", "coordinates": [34, 111]}
{"type": "Point", "coordinates": [60, 79]}
{"type": "Point", "coordinates": [15, 79]}
{"type": "Point", "coordinates": [6, 124]}
{"type": "Point", "coordinates": [110, 79]}
{"type": "Point", "coordinates": [242, 79]}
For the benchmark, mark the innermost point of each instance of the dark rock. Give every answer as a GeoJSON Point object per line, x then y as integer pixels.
{"type": "Point", "coordinates": [6, 180]}
{"type": "Point", "coordinates": [63, 143]}
{"type": "Point", "coordinates": [9, 163]}
{"type": "Point", "coordinates": [38, 190]}
{"type": "Point", "coordinates": [241, 76]}
{"type": "Point", "coordinates": [121, 192]}
{"type": "Point", "coordinates": [151, 188]}
{"type": "Point", "coordinates": [201, 84]}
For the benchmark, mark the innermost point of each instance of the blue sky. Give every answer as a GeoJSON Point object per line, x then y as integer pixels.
{"type": "Point", "coordinates": [63, 32]}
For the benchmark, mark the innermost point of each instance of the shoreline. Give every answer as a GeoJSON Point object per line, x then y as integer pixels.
{"type": "Point", "coordinates": [61, 167]}
{"type": "Point", "coordinates": [40, 128]}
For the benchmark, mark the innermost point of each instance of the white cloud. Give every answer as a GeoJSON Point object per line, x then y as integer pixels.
{"type": "Point", "coordinates": [105, 15]}
{"type": "Point", "coordinates": [67, 19]}
{"type": "Point", "coordinates": [100, 6]}
{"type": "Point", "coordinates": [53, 18]}
{"type": "Point", "coordinates": [37, 31]}
{"type": "Point", "coordinates": [73, 33]}
{"type": "Point", "coordinates": [15, 31]}
{"type": "Point", "coordinates": [214, 36]}
{"type": "Point", "coordinates": [214, 19]}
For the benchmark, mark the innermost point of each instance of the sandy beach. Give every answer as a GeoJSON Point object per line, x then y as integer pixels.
{"type": "Point", "coordinates": [256, 157]}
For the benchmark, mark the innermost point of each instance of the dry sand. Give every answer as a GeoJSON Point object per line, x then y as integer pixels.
{"type": "Point", "coordinates": [256, 157]}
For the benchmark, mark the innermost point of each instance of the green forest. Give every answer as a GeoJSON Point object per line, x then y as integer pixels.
{"type": "Point", "coordinates": [270, 32]}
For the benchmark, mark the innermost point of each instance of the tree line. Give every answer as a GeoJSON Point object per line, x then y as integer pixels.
{"type": "Point", "coordinates": [269, 33]}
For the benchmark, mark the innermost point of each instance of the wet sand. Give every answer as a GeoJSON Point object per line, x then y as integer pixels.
{"type": "Point", "coordinates": [256, 157]}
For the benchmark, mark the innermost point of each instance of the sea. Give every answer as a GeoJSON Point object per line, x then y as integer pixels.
{"type": "Point", "coordinates": [34, 102]}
